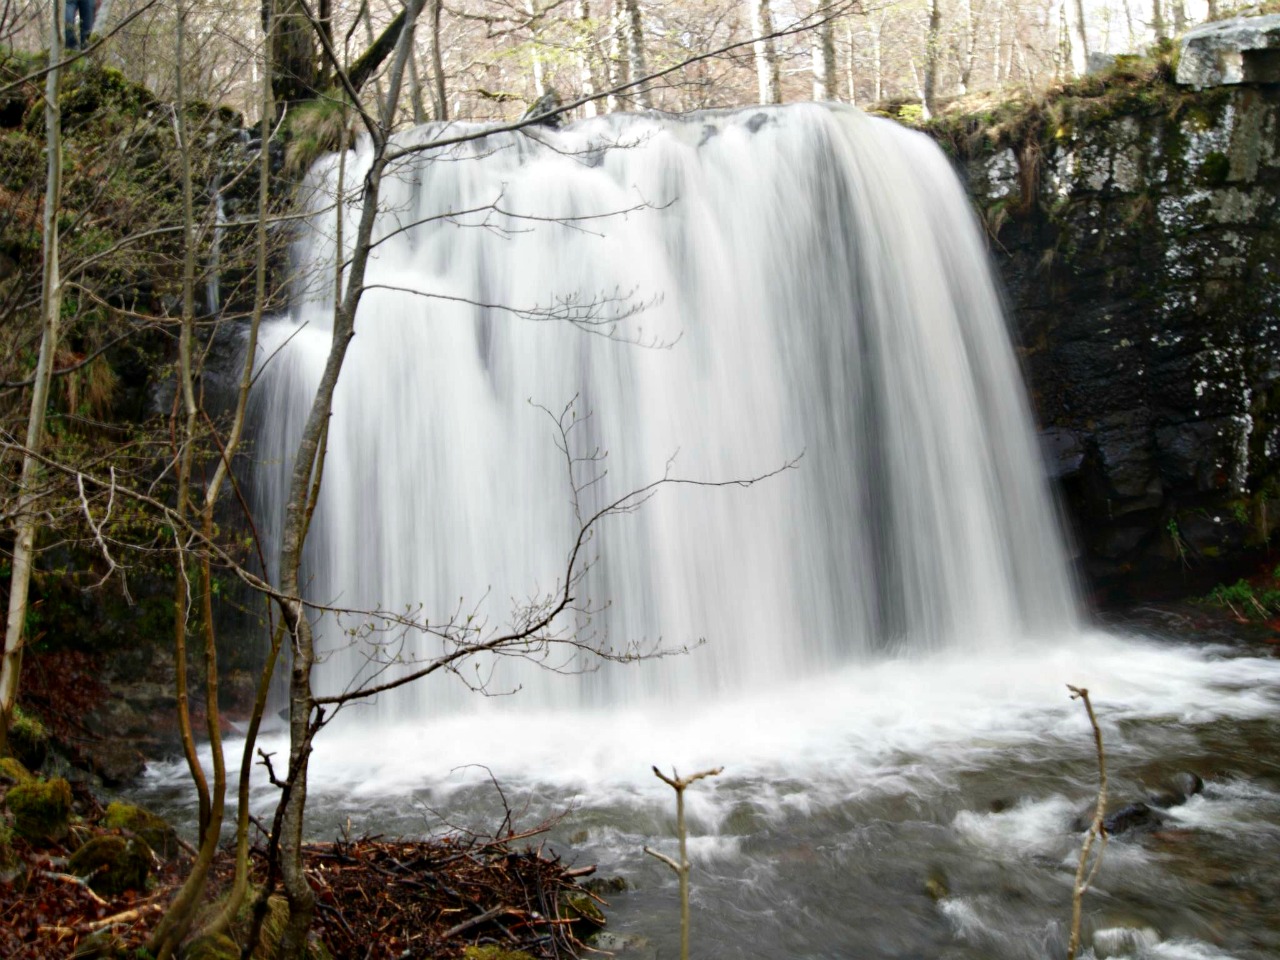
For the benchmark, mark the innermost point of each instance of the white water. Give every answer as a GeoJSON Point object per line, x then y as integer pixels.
{"type": "Point", "coordinates": [812, 282]}
{"type": "Point", "coordinates": [890, 625]}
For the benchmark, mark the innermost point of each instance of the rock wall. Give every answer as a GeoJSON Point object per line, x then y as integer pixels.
{"type": "Point", "coordinates": [1134, 225]}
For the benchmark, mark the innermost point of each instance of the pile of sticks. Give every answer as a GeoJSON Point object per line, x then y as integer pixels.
{"type": "Point", "coordinates": [434, 898]}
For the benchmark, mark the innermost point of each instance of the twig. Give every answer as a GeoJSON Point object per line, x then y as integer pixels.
{"type": "Point", "coordinates": [1097, 829]}
{"type": "Point", "coordinates": [678, 784]}
{"type": "Point", "coordinates": [82, 883]}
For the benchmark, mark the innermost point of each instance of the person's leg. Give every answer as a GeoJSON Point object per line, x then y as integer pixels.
{"type": "Point", "coordinates": [86, 22]}
{"type": "Point", "coordinates": [69, 22]}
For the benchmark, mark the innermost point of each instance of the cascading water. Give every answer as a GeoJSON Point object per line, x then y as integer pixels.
{"type": "Point", "coordinates": [891, 625]}
{"type": "Point", "coordinates": [725, 292]}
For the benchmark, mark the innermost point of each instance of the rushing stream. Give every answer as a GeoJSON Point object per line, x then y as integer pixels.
{"type": "Point", "coordinates": [890, 624]}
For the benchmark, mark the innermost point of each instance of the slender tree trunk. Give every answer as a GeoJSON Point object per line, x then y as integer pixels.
{"type": "Point", "coordinates": [932, 56]}
{"type": "Point", "coordinates": [235, 898]}
{"type": "Point", "coordinates": [768, 75]}
{"type": "Point", "coordinates": [1213, 9]}
{"type": "Point", "coordinates": [539, 74]}
{"type": "Point", "coordinates": [617, 70]}
{"type": "Point", "coordinates": [1179, 17]}
{"type": "Point", "coordinates": [307, 463]}
{"type": "Point", "coordinates": [849, 73]}
{"type": "Point", "coordinates": [824, 61]}
{"type": "Point", "coordinates": [1157, 20]}
{"type": "Point", "coordinates": [636, 63]}
{"type": "Point", "coordinates": [50, 312]}
{"type": "Point", "coordinates": [998, 46]}
{"type": "Point", "coordinates": [586, 62]}
{"type": "Point", "coordinates": [1079, 38]}
{"type": "Point", "coordinates": [439, 96]}
{"type": "Point", "coordinates": [877, 54]}
{"type": "Point", "coordinates": [415, 93]}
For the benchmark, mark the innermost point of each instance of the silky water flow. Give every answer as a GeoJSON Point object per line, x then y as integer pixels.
{"type": "Point", "coordinates": [889, 621]}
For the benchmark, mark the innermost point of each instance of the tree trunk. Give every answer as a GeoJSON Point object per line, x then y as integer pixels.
{"type": "Point", "coordinates": [586, 63]}
{"type": "Point", "coordinates": [768, 76]}
{"type": "Point", "coordinates": [295, 67]}
{"type": "Point", "coordinates": [438, 97]}
{"type": "Point", "coordinates": [307, 463]}
{"type": "Point", "coordinates": [1079, 38]}
{"type": "Point", "coordinates": [1157, 20]}
{"type": "Point", "coordinates": [824, 61]}
{"type": "Point", "coordinates": [932, 55]}
{"type": "Point", "coordinates": [636, 65]}
{"type": "Point", "coordinates": [616, 67]}
{"type": "Point", "coordinates": [50, 313]}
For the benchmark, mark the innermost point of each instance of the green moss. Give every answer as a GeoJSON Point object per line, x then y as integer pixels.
{"type": "Point", "coordinates": [581, 908]}
{"type": "Point", "coordinates": [41, 809]}
{"type": "Point", "coordinates": [158, 834]}
{"type": "Point", "coordinates": [494, 952]}
{"type": "Point", "coordinates": [219, 947]}
{"type": "Point", "coordinates": [1214, 169]}
{"type": "Point", "coordinates": [28, 739]}
{"type": "Point", "coordinates": [12, 771]}
{"type": "Point", "coordinates": [113, 864]}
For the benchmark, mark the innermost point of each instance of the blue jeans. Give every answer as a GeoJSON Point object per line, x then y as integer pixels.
{"type": "Point", "coordinates": [85, 9]}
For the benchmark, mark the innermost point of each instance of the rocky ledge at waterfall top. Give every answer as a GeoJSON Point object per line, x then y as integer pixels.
{"type": "Point", "coordinates": [1133, 221]}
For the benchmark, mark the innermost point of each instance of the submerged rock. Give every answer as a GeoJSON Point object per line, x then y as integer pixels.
{"type": "Point", "coordinates": [1228, 52]}
{"type": "Point", "coordinates": [1180, 788]}
{"type": "Point", "coordinates": [1136, 817]}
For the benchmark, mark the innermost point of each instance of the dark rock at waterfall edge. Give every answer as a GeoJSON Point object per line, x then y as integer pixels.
{"type": "Point", "coordinates": [1180, 788]}
{"type": "Point", "coordinates": [1133, 223]}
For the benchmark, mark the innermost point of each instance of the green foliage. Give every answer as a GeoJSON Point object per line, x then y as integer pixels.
{"type": "Point", "coordinates": [41, 809]}
{"type": "Point", "coordinates": [1247, 600]}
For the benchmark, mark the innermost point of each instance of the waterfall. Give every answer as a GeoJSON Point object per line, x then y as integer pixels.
{"type": "Point", "coordinates": [716, 294]}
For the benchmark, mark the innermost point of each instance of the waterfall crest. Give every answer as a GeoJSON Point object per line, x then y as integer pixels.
{"type": "Point", "coordinates": [741, 288]}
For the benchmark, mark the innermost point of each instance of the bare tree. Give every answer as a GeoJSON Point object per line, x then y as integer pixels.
{"type": "Point", "coordinates": [50, 316]}
{"type": "Point", "coordinates": [768, 73]}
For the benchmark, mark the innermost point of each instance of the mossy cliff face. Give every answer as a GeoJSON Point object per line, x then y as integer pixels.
{"type": "Point", "coordinates": [1134, 225]}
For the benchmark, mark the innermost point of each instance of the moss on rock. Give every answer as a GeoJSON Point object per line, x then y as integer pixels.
{"type": "Point", "coordinates": [494, 952]}
{"type": "Point", "coordinates": [581, 908]}
{"type": "Point", "coordinates": [156, 831]}
{"type": "Point", "coordinates": [41, 809]}
{"type": "Point", "coordinates": [113, 864]}
{"type": "Point", "coordinates": [217, 947]}
{"type": "Point", "coordinates": [12, 771]}
{"type": "Point", "coordinates": [28, 740]}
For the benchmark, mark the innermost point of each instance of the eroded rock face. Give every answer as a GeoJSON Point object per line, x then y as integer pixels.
{"type": "Point", "coordinates": [1136, 233]}
{"type": "Point", "coordinates": [1243, 50]}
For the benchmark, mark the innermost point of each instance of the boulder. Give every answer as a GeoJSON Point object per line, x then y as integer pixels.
{"type": "Point", "coordinates": [41, 809]}
{"type": "Point", "coordinates": [113, 864]}
{"type": "Point", "coordinates": [1227, 52]}
{"type": "Point", "coordinates": [1133, 818]}
{"type": "Point", "coordinates": [154, 830]}
{"type": "Point", "coordinates": [28, 740]}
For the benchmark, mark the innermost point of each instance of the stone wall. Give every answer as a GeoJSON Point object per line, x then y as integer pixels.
{"type": "Point", "coordinates": [1134, 223]}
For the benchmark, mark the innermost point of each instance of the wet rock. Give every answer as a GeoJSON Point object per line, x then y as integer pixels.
{"type": "Point", "coordinates": [1133, 818]}
{"type": "Point", "coordinates": [1123, 941]}
{"type": "Point", "coordinates": [116, 763]}
{"type": "Point", "coordinates": [1180, 788]}
{"type": "Point", "coordinates": [936, 886]}
{"type": "Point", "coordinates": [41, 809]}
{"type": "Point", "coordinates": [1226, 52]}
{"type": "Point", "coordinates": [113, 864]}
{"type": "Point", "coordinates": [618, 942]}
{"type": "Point", "coordinates": [604, 886]}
